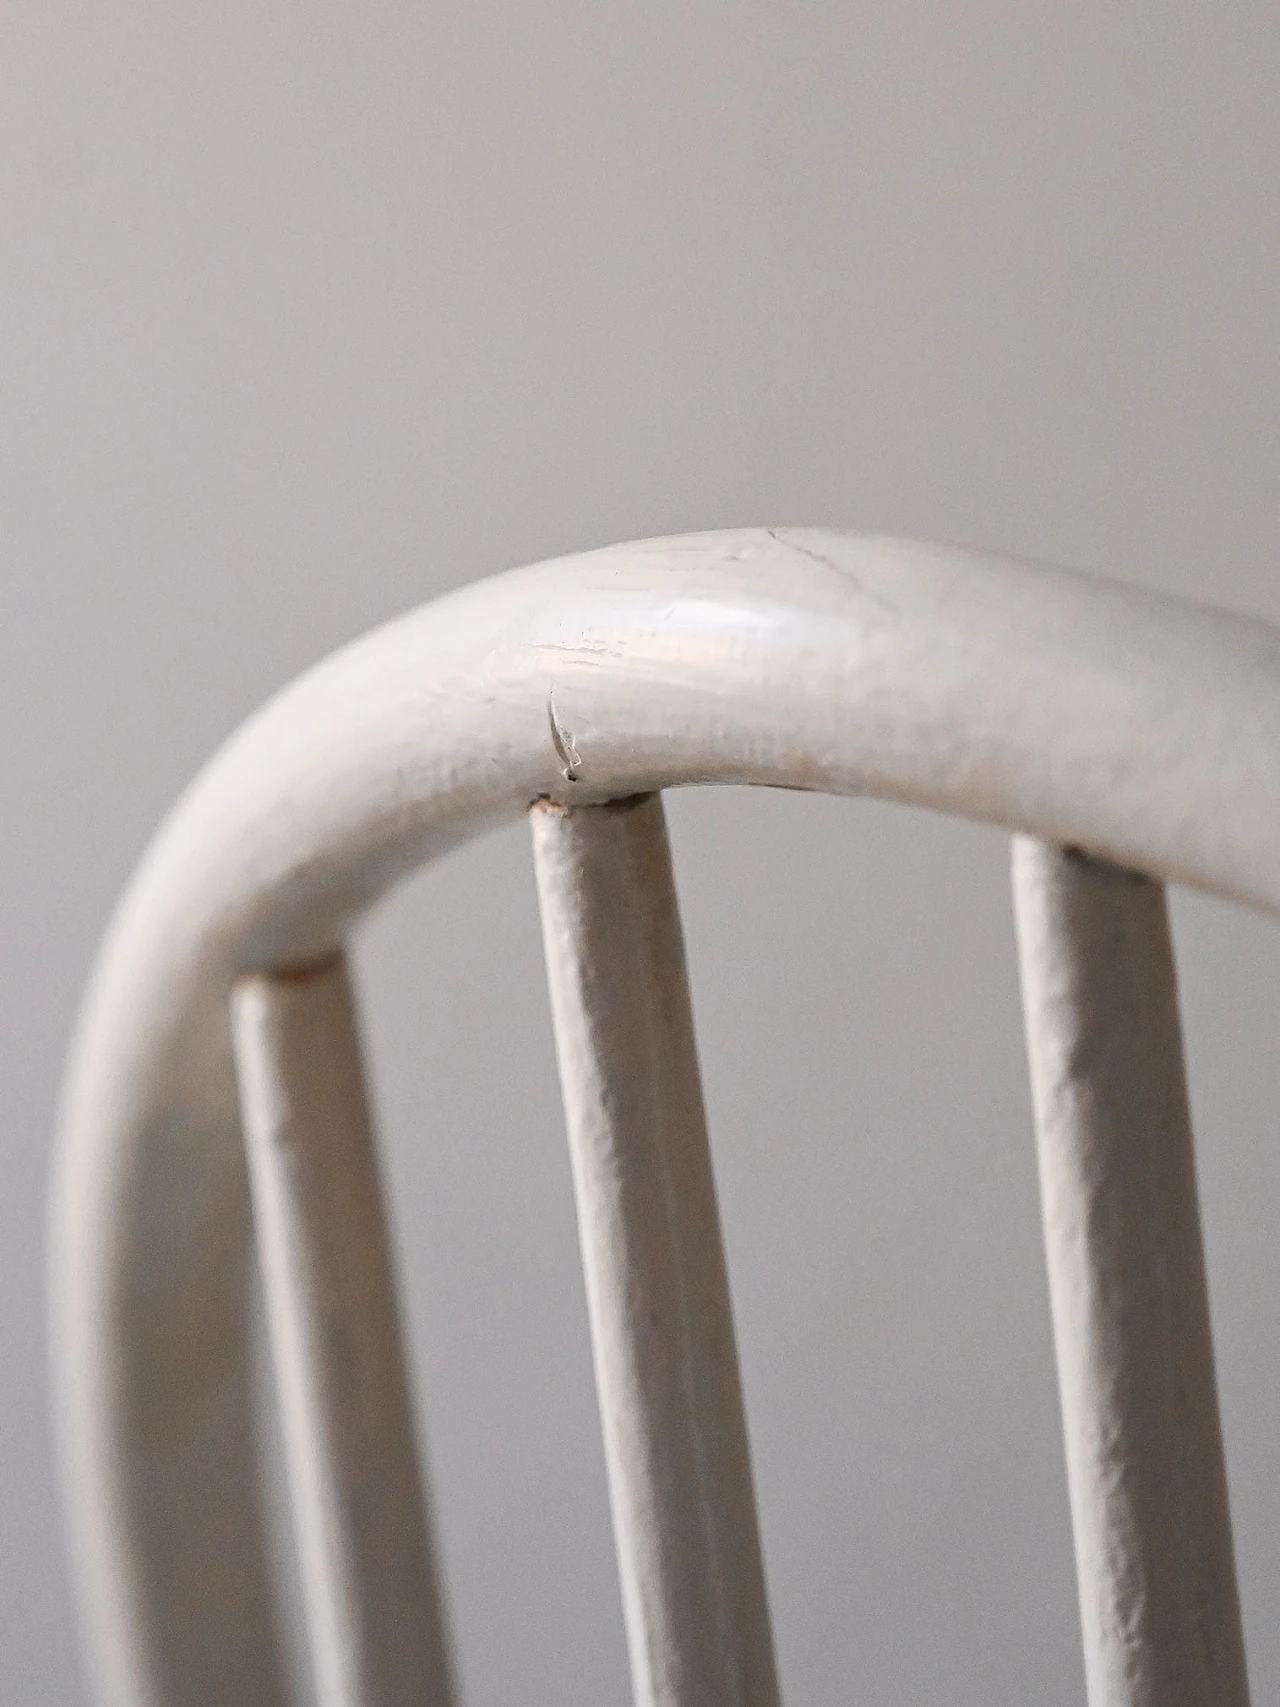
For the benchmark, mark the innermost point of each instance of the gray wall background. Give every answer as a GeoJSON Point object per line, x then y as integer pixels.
{"type": "Point", "coordinates": [312, 312]}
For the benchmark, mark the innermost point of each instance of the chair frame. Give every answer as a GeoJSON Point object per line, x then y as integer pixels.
{"type": "Point", "coordinates": [1126, 739]}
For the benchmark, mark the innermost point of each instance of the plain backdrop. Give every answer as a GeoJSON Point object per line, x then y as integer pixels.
{"type": "Point", "coordinates": [310, 312]}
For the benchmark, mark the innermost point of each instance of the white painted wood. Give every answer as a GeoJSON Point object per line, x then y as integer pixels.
{"type": "Point", "coordinates": [1158, 1603]}
{"type": "Point", "coordinates": [662, 1336]}
{"type": "Point", "coordinates": [1076, 710]}
{"type": "Point", "coordinates": [365, 1560]}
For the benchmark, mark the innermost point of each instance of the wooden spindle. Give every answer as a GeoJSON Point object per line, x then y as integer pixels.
{"type": "Point", "coordinates": [360, 1520]}
{"type": "Point", "coordinates": [662, 1332]}
{"type": "Point", "coordinates": [1154, 1561]}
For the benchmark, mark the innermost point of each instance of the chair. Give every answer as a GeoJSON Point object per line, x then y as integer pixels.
{"type": "Point", "coordinates": [214, 1098]}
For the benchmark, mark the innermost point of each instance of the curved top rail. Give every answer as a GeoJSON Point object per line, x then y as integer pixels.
{"type": "Point", "coordinates": [1144, 729]}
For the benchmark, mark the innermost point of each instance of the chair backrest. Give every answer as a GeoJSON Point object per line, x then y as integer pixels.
{"type": "Point", "coordinates": [1125, 739]}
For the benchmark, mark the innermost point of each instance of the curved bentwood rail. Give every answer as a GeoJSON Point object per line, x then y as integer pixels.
{"type": "Point", "coordinates": [1125, 739]}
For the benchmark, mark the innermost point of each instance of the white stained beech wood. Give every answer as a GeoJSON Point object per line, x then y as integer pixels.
{"type": "Point", "coordinates": [1154, 1561]}
{"type": "Point", "coordinates": [662, 1335]}
{"type": "Point", "coordinates": [364, 1552]}
{"type": "Point", "coordinates": [1063, 706]}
